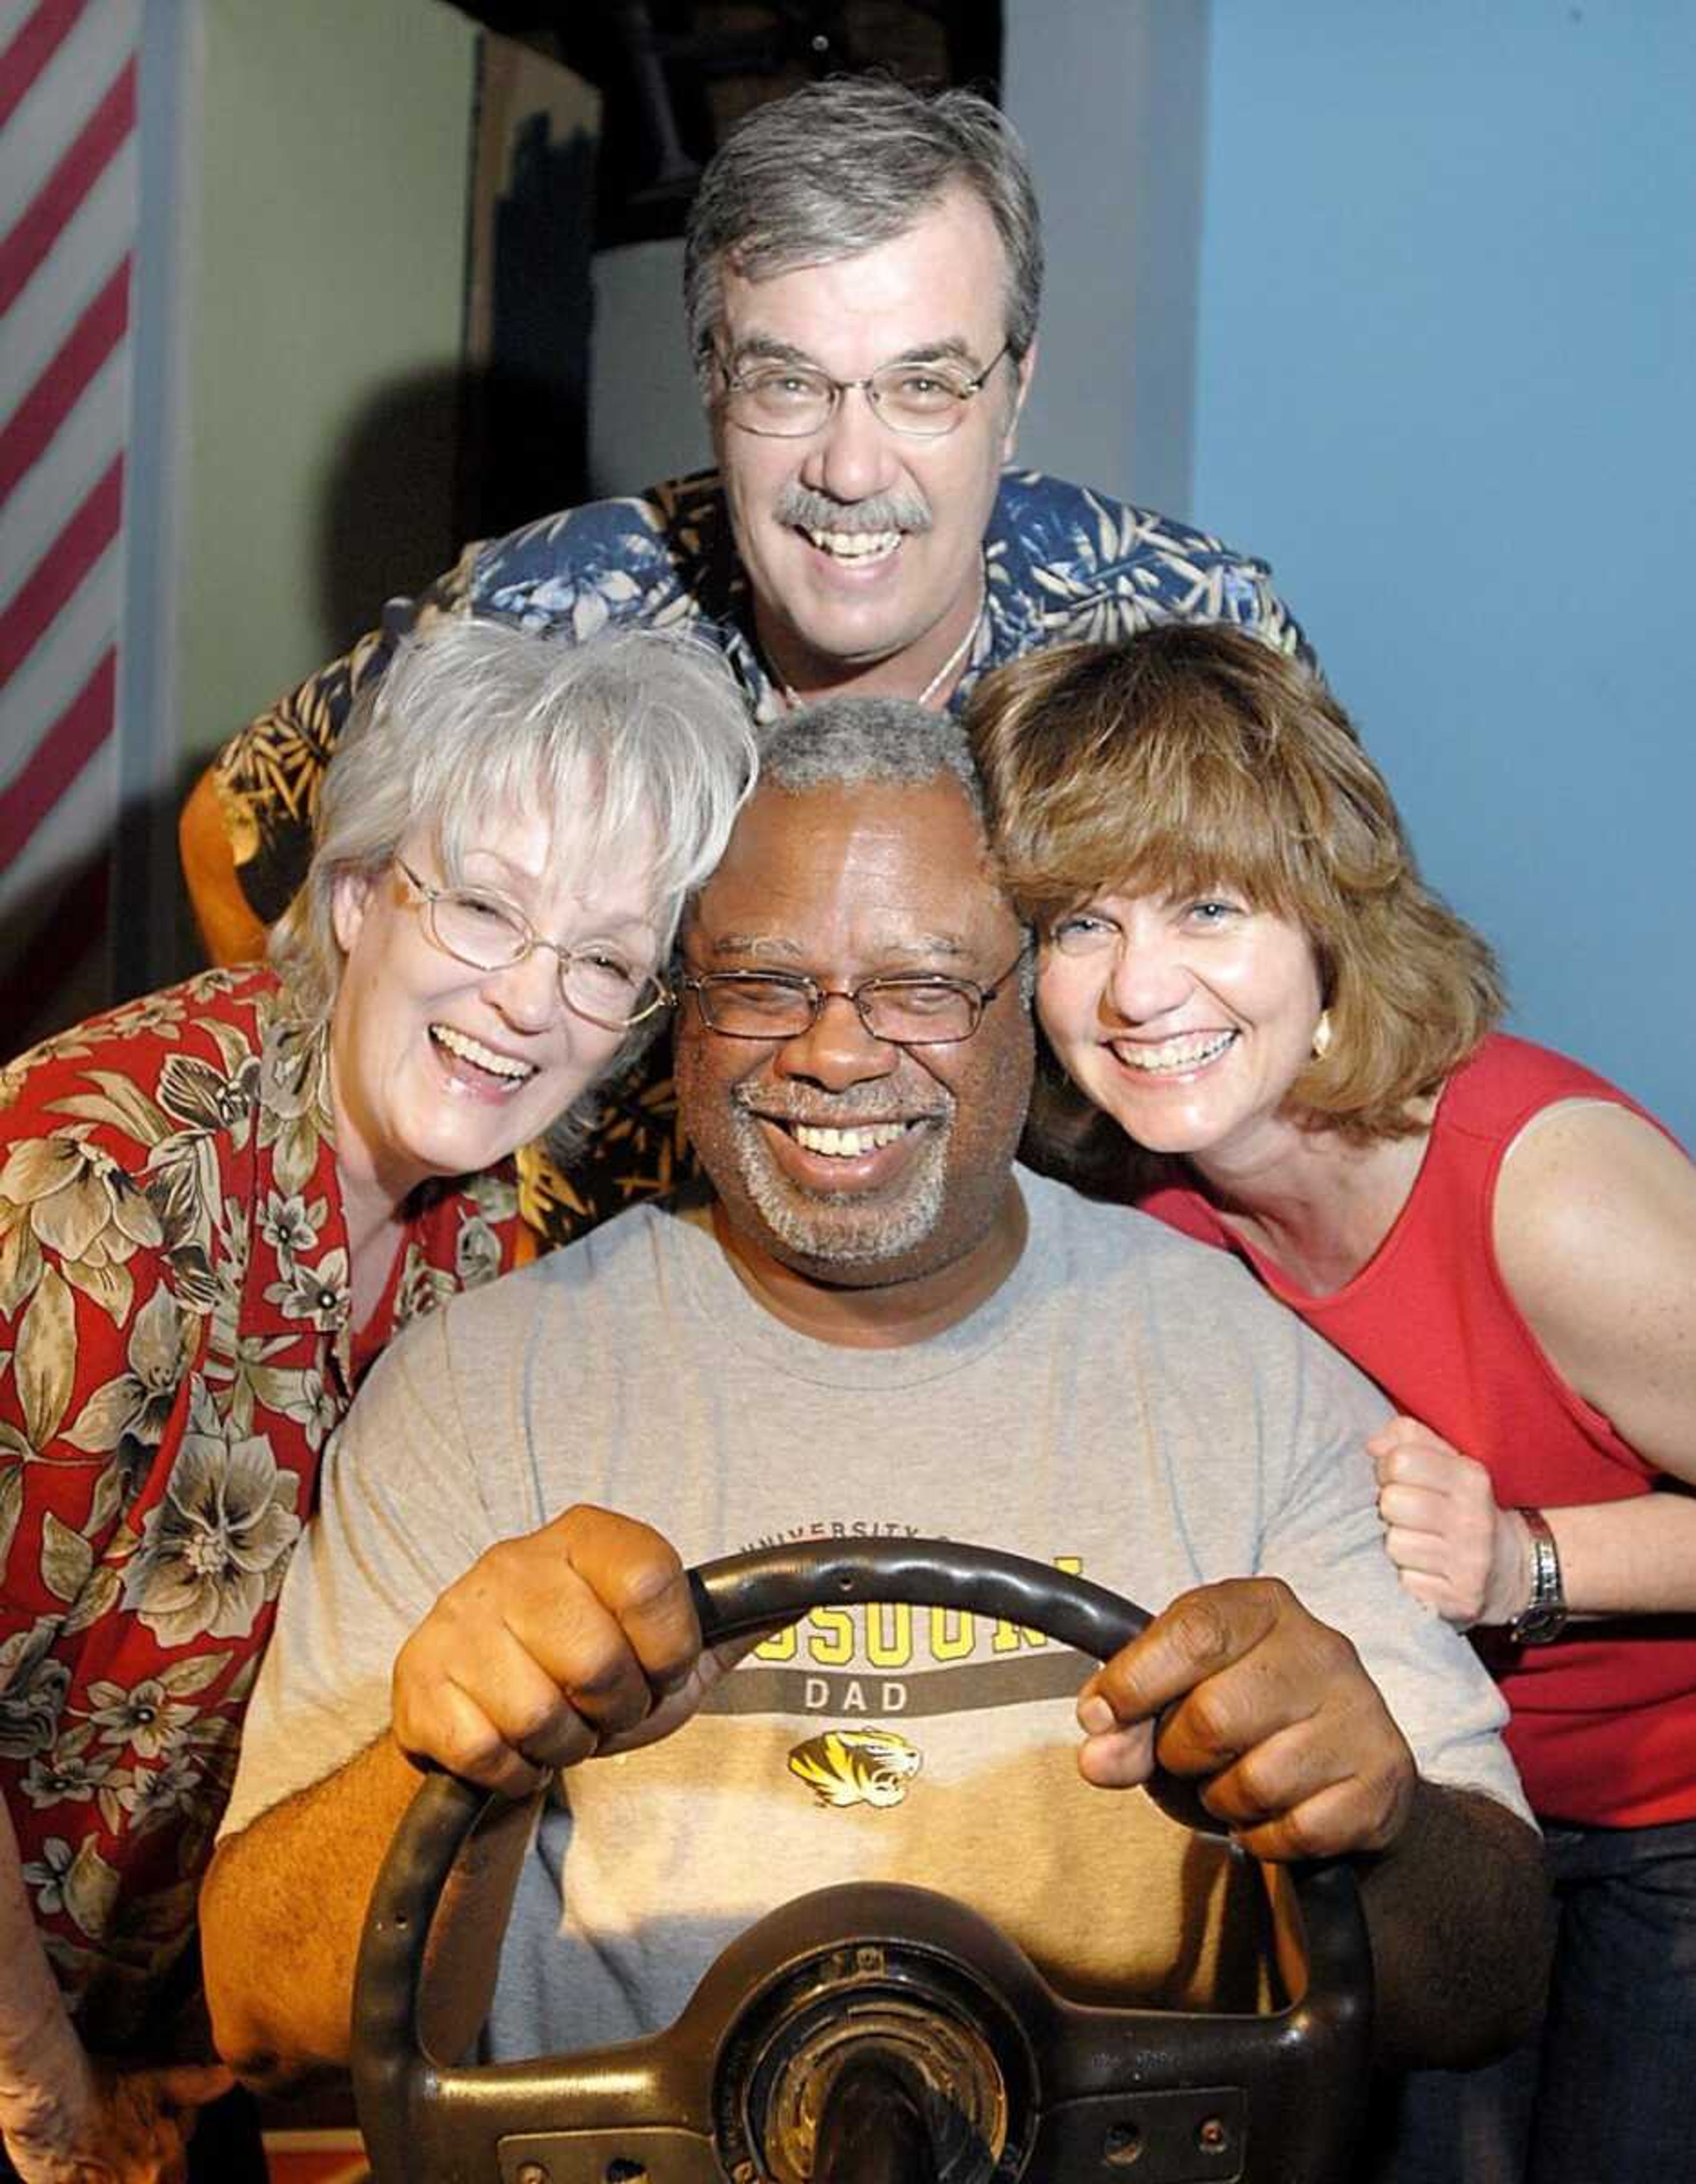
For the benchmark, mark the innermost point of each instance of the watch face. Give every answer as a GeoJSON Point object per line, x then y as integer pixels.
{"type": "Point", "coordinates": [1538, 1625]}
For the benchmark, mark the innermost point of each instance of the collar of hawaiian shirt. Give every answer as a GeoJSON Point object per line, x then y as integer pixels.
{"type": "Point", "coordinates": [296, 1126]}
{"type": "Point", "coordinates": [990, 645]}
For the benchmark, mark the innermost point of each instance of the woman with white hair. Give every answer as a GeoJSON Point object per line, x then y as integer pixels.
{"type": "Point", "coordinates": [217, 1205]}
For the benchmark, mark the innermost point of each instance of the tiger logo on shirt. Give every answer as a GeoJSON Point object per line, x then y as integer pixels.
{"type": "Point", "coordinates": [856, 1766]}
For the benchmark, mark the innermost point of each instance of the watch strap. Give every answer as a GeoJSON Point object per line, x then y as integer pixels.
{"type": "Point", "coordinates": [1543, 1616]}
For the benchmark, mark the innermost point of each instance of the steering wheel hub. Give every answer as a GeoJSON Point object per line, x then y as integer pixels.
{"type": "Point", "coordinates": [937, 2029]}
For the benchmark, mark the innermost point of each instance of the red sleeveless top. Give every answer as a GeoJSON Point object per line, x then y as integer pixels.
{"type": "Point", "coordinates": [1604, 1720]}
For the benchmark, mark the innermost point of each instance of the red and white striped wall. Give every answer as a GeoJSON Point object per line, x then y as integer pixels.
{"type": "Point", "coordinates": [68, 227]}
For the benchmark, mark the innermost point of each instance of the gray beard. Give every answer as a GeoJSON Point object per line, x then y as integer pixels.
{"type": "Point", "coordinates": [838, 1227]}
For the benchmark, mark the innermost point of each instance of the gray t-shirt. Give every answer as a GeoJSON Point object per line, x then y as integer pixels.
{"type": "Point", "coordinates": [1127, 1405]}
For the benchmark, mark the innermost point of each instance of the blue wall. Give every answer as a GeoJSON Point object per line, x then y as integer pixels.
{"type": "Point", "coordinates": [1445, 340]}
{"type": "Point", "coordinates": [1110, 97]}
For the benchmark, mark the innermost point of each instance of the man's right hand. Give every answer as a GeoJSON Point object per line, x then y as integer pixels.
{"type": "Point", "coordinates": [124, 2126]}
{"type": "Point", "coordinates": [576, 1639]}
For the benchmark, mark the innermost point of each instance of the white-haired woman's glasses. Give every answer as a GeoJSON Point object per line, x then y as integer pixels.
{"type": "Point", "coordinates": [598, 980]}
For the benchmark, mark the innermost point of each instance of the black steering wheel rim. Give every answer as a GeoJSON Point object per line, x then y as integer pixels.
{"type": "Point", "coordinates": [402, 2095]}
{"type": "Point", "coordinates": [742, 1593]}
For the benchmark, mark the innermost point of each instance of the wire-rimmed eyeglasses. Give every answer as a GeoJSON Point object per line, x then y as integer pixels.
{"type": "Point", "coordinates": [902, 1010]}
{"type": "Point", "coordinates": [597, 980]}
{"type": "Point", "coordinates": [923, 398]}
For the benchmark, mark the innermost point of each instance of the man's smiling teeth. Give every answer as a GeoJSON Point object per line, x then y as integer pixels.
{"type": "Point", "coordinates": [1191, 1051]}
{"type": "Point", "coordinates": [846, 1145]}
{"type": "Point", "coordinates": [853, 545]}
{"type": "Point", "coordinates": [484, 1057]}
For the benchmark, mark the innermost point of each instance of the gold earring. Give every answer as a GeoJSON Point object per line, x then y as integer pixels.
{"type": "Point", "coordinates": [1322, 1036]}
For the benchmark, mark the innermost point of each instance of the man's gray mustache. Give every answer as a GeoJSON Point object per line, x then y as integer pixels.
{"type": "Point", "coordinates": [807, 510]}
{"type": "Point", "coordinates": [842, 1111]}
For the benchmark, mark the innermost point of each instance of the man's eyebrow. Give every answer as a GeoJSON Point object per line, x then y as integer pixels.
{"type": "Point", "coordinates": [768, 348]}
{"type": "Point", "coordinates": [952, 348]}
{"type": "Point", "coordinates": [929, 947]}
{"type": "Point", "coordinates": [924, 950]}
{"type": "Point", "coordinates": [760, 945]}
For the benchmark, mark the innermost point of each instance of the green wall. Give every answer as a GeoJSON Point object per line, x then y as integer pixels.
{"type": "Point", "coordinates": [324, 331]}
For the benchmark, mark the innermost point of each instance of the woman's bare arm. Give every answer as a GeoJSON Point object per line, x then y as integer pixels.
{"type": "Point", "coordinates": [1595, 1234]}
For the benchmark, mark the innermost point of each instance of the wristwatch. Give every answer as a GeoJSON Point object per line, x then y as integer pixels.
{"type": "Point", "coordinates": [1543, 1616]}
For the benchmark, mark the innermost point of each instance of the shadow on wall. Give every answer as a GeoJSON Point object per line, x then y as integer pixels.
{"type": "Point", "coordinates": [445, 456]}
{"type": "Point", "coordinates": [387, 520]}
{"type": "Point", "coordinates": [54, 953]}
{"type": "Point", "coordinates": [416, 475]}
{"type": "Point", "coordinates": [526, 440]}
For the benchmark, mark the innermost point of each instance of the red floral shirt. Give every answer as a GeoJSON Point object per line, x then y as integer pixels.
{"type": "Point", "coordinates": [174, 1353]}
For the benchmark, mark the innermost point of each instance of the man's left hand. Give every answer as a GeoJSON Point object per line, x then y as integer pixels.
{"type": "Point", "coordinates": [1268, 1711]}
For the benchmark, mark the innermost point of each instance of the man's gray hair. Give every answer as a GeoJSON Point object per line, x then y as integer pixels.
{"type": "Point", "coordinates": [479, 720]}
{"type": "Point", "coordinates": [839, 167]}
{"type": "Point", "coordinates": [841, 742]}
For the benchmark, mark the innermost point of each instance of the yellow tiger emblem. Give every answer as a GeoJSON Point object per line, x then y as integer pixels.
{"type": "Point", "coordinates": [856, 1766]}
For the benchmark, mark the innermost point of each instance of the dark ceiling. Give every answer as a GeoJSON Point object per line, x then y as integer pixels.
{"type": "Point", "coordinates": [675, 74]}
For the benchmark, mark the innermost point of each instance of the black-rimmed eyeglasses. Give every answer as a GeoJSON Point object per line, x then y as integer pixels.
{"type": "Point", "coordinates": [923, 399]}
{"type": "Point", "coordinates": [902, 1010]}
{"type": "Point", "coordinates": [597, 980]}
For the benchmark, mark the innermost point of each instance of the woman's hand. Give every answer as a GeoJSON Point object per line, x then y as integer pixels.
{"type": "Point", "coordinates": [1455, 1548]}
{"type": "Point", "coordinates": [113, 2126]}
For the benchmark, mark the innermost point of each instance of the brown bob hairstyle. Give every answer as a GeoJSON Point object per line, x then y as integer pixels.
{"type": "Point", "coordinates": [1192, 758]}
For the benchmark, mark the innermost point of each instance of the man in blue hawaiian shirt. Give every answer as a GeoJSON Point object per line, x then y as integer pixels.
{"type": "Point", "coordinates": [862, 276]}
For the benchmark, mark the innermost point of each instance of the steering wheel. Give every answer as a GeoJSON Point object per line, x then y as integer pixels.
{"type": "Point", "coordinates": [996, 2077]}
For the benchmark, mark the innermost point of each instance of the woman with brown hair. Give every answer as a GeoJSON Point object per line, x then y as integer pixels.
{"type": "Point", "coordinates": [1244, 975]}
